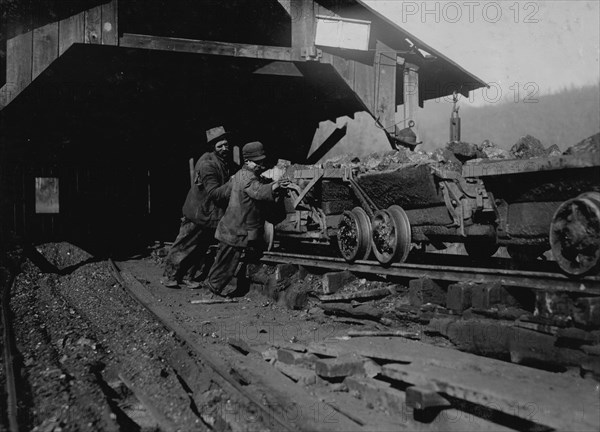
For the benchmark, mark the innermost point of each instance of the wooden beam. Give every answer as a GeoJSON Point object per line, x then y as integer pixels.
{"type": "Point", "coordinates": [327, 145]}
{"type": "Point", "coordinates": [303, 23]}
{"type": "Point", "coordinates": [345, 68]}
{"type": "Point", "coordinates": [110, 34]}
{"type": "Point", "coordinates": [45, 47]}
{"type": "Point", "coordinates": [364, 83]}
{"type": "Point", "coordinates": [70, 31]}
{"type": "Point", "coordinates": [93, 25]}
{"type": "Point", "coordinates": [160, 43]}
{"type": "Point", "coordinates": [19, 58]}
{"type": "Point", "coordinates": [385, 86]}
{"type": "Point", "coordinates": [411, 95]}
{"type": "Point", "coordinates": [307, 189]}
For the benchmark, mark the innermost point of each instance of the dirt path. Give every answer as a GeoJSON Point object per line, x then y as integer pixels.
{"type": "Point", "coordinates": [95, 359]}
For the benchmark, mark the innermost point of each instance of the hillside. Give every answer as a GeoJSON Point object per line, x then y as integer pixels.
{"type": "Point", "coordinates": [562, 118]}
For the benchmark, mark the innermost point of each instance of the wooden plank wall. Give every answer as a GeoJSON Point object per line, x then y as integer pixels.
{"type": "Point", "coordinates": [19, 66]}
{"type": "Point", "coordinates": [372, 78]}
{"type": "Point", "coordinates": [33, 48]}
{"type": "Point", "coordinates": [70, 31]}
{"type": "Point", "coordinates": [45, 48]}
{"type": "Point", "coordinates": [33, 42]}
{"type": "Point", "coordinates": [99, 209]}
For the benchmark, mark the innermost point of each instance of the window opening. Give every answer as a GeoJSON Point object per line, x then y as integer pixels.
{"type": "Point", "coordinates": [46, 195]}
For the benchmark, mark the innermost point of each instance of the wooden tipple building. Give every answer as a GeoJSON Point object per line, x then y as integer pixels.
{"type": "Point", "coordinates": [102, 103]}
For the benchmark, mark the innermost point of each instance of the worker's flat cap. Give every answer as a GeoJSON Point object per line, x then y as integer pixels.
{"type": "Point", "coordinates": [253, 151]}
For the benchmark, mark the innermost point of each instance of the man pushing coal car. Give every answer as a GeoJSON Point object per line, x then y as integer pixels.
{"type": "Point", "coordinates": [253, 199]}
{"type": "Point", "coordinates": [203, 208]}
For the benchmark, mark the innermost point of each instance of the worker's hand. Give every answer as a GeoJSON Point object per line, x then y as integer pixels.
{"type": "Point", "coordinates": [280, 185]}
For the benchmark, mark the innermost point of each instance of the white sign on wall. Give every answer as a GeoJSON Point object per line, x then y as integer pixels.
{"type": "Point", "coordinates": [343, 33]}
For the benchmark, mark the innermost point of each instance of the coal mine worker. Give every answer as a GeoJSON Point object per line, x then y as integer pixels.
{"type": "Point", "coordinates": [203, 208]}
{"type": "Point", "coordinates": [241, 227]}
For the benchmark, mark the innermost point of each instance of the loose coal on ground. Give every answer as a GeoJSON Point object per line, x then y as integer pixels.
{"type": "Point", "coordinates": [91, 357]}
{"type": "Point", "coordinates": [84, 344]}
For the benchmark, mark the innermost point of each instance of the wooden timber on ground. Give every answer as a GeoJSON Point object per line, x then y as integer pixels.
{"type": "Point", "coordinates": [213, 301]}
{"type": "Point", "coordinates": [544, 281]}
{"type": "Point", "coordinates": [553, 400]}
{"type": "Point", "coordinates": [360, 311]}
{"type": "Point", "coordinates": [359, 295]}
{"type": "Point", "coordinates": [271, 393]}
{"type": "Point", "coordinates": [384, 333]}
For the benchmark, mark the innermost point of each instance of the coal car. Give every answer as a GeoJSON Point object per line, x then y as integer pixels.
{"type": "Point", "coordinates": [528, 206]}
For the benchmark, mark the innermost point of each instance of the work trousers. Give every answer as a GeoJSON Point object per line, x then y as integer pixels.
{"type": "Point", "coordinates": [224, 268]}
{"type": "Point", "coordinates": [189, 249]}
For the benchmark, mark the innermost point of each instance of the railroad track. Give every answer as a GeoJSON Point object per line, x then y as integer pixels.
{"type": "Point", "coordinates": [537, 280]}
{"type": "Point", "coordinates": [234, 380]}
{"type": "Point", "coordinates": [482, 399]}
{"type": "Point", "coordinates": [8, 352]}
{"type": "Point", "coordinates": [229, 379]}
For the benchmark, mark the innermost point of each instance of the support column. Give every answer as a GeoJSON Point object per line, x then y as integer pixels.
{"type": "Point", "coordinates": [303, 23]}
{"type": "Point", "coordinates": [385, 86]}
{"type": "Point", "coordinates": [303, 19]}
{"type": "Point", "coordinates": [411, 96]}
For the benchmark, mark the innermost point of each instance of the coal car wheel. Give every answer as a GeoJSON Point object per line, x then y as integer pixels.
{"type": "Point", "coordinates": [575, 234]}
{"type": "Point", "coordinates": [365, 224]}
{"type": "Point", "coordinates": [354, 235]}
{"type": "Point", "coordinates": [390, 235]}
{"type": "Point", "coordinates": [403, 235]}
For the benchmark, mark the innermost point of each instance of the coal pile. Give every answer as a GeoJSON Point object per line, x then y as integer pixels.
{"type": "Point", "coordinates": [79, 335]}
{"type": "Point", "coordinates": [588, 145]}
{"type": "Point", "coordinates": [454, 155]}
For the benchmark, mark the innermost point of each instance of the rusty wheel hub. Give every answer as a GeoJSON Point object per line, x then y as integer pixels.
{"type": "Point", "coordinates": [354, 235]}
{"type": "Point", "coordinates": [391, 235]}
{"type": "Point", "coordinates": [575, 234]}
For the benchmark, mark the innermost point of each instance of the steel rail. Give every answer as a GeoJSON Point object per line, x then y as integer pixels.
{"type": "Point", "coordinates": [537, 280]}
{"type": "Point", "coordinates": [8, 343]}
{"type": "Point", "coordinates": [203, 355]}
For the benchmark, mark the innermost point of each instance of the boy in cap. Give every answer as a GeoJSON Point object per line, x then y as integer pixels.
{"type": "Point", "coordinates": [242, 225]}
{"type": "Point", "coordinates": [203, 208]}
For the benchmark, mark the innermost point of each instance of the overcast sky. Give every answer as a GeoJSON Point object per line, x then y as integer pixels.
{"type": "Point", "coordinates": [533, 47]}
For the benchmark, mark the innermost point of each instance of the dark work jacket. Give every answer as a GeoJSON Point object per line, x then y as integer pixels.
{"type": "Point", "coordinates": [244, 219]}
{"type": "Point", "coordinates": [207, 199]}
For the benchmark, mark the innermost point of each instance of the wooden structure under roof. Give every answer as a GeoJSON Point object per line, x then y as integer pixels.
{"type": "Point", "coordinates": [127, 88]}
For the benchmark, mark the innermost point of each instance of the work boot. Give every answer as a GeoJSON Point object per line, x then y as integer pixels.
{"type": "Point", "coordinates": [230, 289]}
{"type": "Point", "coordinates": [192, 284]}
{"type": "Point", "coordinates": [170, 283]}
{"type": "Point", "coordinates": [210, 289]}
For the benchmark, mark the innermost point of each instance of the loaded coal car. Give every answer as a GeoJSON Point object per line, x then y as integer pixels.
{"type": "Point", "coordinates": [529, 206]}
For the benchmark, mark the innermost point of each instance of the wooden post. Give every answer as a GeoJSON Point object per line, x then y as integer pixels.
{"type": "Point", "coordinates": [385, 86]}
{"type": "Point", "coordinates": [19, 56]}
{"type": "Point", "coordinates": [303, 23]}
{"type": "Point", "coordinates": [411, 95]}
{"type": "Point", "coordinates": [93, 25]}
{"type": "Point", "coordinates": [70, 31]}
{"type": "Point", "coordinates": [45, 47]}
{"type": "Point", "coordinates": [110, 34]}
{"type": "Point", "coordinates": [303, 19]}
